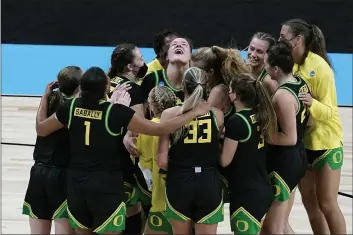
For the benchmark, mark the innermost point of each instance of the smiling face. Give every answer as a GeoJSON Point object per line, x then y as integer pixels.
{"type": "Point", "coordinates": [179, 51]}
{"type": "Point", "coordinates": [256, 52]}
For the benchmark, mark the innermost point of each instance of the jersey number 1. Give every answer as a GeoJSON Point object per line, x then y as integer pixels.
{"type": "Point", "coordinates": [88, 128]}
{"type": "Point", "coordinates": [303, 114]}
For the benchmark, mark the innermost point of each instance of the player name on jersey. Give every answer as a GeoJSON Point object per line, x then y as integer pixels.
{"type": "Point", "coordinates": [90, 114]}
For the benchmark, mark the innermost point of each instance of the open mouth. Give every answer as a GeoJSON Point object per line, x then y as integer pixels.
{"type": "Point", "coordinates": [179, 51]}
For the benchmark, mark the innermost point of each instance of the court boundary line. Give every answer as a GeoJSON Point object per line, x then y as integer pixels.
{"type": "Point", "coordinates": [32, 145]}
{"type": "Point", "coordinates": [39, 96]}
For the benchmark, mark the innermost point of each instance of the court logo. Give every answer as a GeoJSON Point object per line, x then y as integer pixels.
{"type": "Point", "coordinates": [161, 84]}
{"type": "Point", "coordinates": [312, 74]}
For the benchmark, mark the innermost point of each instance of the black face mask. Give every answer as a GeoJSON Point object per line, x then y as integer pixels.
{"type": "Point", "coordinates": [142, 71]}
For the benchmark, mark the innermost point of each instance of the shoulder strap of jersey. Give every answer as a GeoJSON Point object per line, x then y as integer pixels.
{"type": "Point", "coordinates": [71, 112]}
{"type": "Point", "coordinates": [247, 124]}
{"type": "Point", "coordinates": [106, 121]}
{"type": "Point", "coordinates": [214, 117]}
{"type": "Point", "coordinates": [156, 75]}
{"type": "Point", "coordinates": [262, 75]}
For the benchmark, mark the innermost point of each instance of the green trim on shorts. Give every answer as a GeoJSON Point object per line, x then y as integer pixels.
{"type": "Point", "coordinates": [158, 222]}
{"type": "Point", "coordinates": [333, 157]}
{"type": "Point", "coordinates": [143, 195]}
{"type": "Point", "coordinates": [27, 210]}
{"type": "Point", "coordinates": [242, 222]}
{"type": "Point", "coordinates": [224, 185]}
{"type": "Point", "coordinates": [280, 188]}
{"type": "Point", "coordinates": [216, 216]}
{"type": "Point", "coordinates": [61, 212]}
{"type": "Point", "coordinates": [131, 196]}
{"type": "Point", "coordinates": [74, 222]}
{"type": "Point", "coordinates": [171, 213]}
{"type": "Point", "coordinates": [115, 222]}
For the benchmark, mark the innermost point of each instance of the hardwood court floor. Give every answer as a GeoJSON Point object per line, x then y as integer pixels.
{"type": "Point", "coordinates": [18, 126]}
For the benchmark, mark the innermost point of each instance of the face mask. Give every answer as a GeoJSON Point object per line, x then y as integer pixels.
{"type": "Point", "coordinates": [142, 71]}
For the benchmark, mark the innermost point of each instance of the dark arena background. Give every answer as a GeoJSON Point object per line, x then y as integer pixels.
{"type": "Point", "coordinates": [39, 37]}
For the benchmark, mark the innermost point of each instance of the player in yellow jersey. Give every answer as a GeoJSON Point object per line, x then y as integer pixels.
{"type": "Point", "coordinates": [323, 140]}
{"type": "Point", "coordinates": [159, 99]}
{"type": "Point", "coordinates": [259, 44]}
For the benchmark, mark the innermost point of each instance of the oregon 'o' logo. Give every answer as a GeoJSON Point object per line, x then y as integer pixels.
{"type": "Point", "coordinates": [118, 220]}
{"type": "Point", "coordinates": [156, 221]}
{"type": "Point", "coordinates": [277, 190]}
{"type": "Point", "coordinates": [242, 225]}
{"type": "Point", "coordinates": [337, 157]}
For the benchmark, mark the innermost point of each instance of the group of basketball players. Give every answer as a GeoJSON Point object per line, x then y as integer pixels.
{"type": "Point", "coordinates": [139, 150]}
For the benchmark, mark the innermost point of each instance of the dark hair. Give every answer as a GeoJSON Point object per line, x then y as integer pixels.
{"type": "Point", "coordinates": [68, 80]}
{"type": "Point", "coordinates": [280, 55]}
{"type": "Point", "coordinates": [158, 40]}
{"type": "Point", "coordinates": [313, 37]}
{"type": "Point", "coordinates": [122, 55]}
{"type": "Point", "coordinates": [252, 94]}
{"type": "Point", "coordinates": [93, 86]}
{"type": "Point", "coordinates": [265, 37]}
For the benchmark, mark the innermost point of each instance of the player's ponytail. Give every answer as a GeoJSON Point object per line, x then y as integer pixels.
{"type": "Point", "coordinates": [94, 86]}
{"type": "Point", "coordinates": [69, 81]}
{"type": "Point", "coordinates": [264, 111]}
{"type": "Point", "coordinates": [122, 55]}
{"type": "Point", "coordinates": [232, 63]}
{"type": "Point", "coordinates": [194, 85]}
{"type": "Point", "coordinates": [317, 44]}
{"type": "Point", "coordinates": [313, 37]}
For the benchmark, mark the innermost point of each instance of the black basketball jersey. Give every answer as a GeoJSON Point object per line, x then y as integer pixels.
{"type": "Point", "coordinates": [249, 163]}
{"type": "Point", "coordinates": [95, 133]}
{"type": "Point", "coordinates": [135, 91]}
{"type": "Point", "coordinates": [302, 115]}
{"type": "Point", "coordinates": [159, 78]}
{"type": "Point", "coordinates": [54, 149]}
{"type": "Point", "coordinates": [198, 146]}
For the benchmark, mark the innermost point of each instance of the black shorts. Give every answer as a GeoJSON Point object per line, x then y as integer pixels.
{"type": "Point", "coordinates": [224, 182]}
{"type": "Point", "coordinates": [249, 204]}
{"type": "Point", "coordinates": [46, 193]}
{"type": "Point", "coordinates": [145, 196]}
{"type": "Point", "coordinates": [96, 200]}
{"type": "Point", "coordinates": [195, 196]}
{"type": "Point", "coordinates": [286, 167]}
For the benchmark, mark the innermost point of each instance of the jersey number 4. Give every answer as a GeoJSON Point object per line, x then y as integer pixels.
{"type": "Point", "coordinates": [205, 136]}
{"type": "Point", "coordinates": [88, 129]}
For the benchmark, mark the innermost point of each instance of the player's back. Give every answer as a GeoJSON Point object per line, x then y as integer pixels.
{"type": "Point", "coordinates": [94, 146]}
{"type": "Point", "coordinates": [302, 115]}
{"type": "Point", "coordinates": [199, 145]}
{"type": "Point", "coordinates": [249, 162]}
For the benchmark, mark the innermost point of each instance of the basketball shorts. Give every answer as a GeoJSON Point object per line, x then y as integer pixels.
{"type": "Point", "coordinates": [144, 195]}
{"type": "Point", "coordinates": [318, 158]}
{"type": "Point", "coordinates": [194, 194]}
{"type": "Point", "coordinates": [96, 200]}
{"type": "Point", "coordinates": [248, 206]}
{"type": "Point", "coordinates": [286, 166]}
{"type": "Point", "coordinates": [130, 188]}
{"type": "Point", "coordinates": [158, 222]}
{"type": "Point", "coordinates": [46, 193]}
{"type": "Point", "coordinates": [224, 182]}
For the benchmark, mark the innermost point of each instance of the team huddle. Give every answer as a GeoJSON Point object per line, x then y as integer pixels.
{"type": "Point", "coordinates": [160, 148]}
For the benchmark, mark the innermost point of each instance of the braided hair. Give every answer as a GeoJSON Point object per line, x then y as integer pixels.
{"type": "Point", "coordinates": [162, 98]}
{"type": "Point", "coordinates": [122, 55]}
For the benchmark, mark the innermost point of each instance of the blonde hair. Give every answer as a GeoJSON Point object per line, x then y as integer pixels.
{"type": "Point", "coordinates": [194, 86]}
{"type": "Point", "coordinates": [226, 63]}
{"type": "Point", "coordinates": [162, 98]}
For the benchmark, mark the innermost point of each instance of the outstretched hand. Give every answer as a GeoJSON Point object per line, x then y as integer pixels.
{"type": "Point", "coordinates": [120, 95]}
